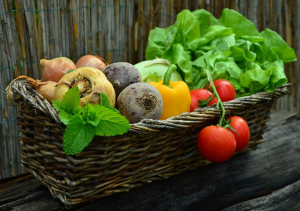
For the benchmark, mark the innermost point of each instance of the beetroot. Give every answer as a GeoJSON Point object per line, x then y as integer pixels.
{"type": "Point", "coordinates": [140, 101]}
{"type": "Point", "coordinates": [121, 75]}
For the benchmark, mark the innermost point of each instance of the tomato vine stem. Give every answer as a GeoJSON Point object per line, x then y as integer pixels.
{"type": "Point", "coordinates": [219, 103]}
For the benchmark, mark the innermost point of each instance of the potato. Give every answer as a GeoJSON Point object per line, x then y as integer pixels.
{"type": "Point", "coordinates": [121, 75]}
{"type": "Point", "coordinates": [140, 101]}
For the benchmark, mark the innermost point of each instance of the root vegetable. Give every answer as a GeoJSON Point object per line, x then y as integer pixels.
{"type": "Point", "coordinates": [90, 81]}
{"type": "Point", "coordinates": [121, 75]}
{"type": "Point", "coordinates": [92, 61]}
{"type": "Point", "coordinates": [140, 101]}
{"type": "Point", "coordinates": [56, 68]}
{"type": "Point", "coordinates": [46, 89]}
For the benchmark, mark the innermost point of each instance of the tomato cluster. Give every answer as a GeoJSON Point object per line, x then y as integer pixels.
{"type": "Point", "coordinates": [204, 97]}
{"type": "Point", "coordinates": [216, 143]}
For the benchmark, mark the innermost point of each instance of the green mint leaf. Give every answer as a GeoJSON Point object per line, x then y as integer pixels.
{"type": "Point", "coordinates": [78, 135]}
{"type": "Point", "coordinates": [90, 114]}
{"type": "Point", "coordinates": [70, 103]}
{"type": "Point", "coordinates": [104, 101]}
{"type": "Point", "coordinates": [111, 123]}
{"type": "Point", "coordinates": [98, 108]}
{"type": "Point", "coordinates": [64, 117]}
{"type": "Point", "coordinates": [72, 100]}
{"type": "Point", "coordinates": [61, 106]}
{"type": "Point", "coordinates": [114, 110]}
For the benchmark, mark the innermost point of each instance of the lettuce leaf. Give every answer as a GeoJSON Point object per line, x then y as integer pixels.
{"type": "Point", "coordinates": [229, 47]}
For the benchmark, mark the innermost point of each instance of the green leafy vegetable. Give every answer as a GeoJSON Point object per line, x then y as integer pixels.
{"type": "Point", "coordinates": [82, 124]}
{"type": "Point", "coordinates": [229, 47]}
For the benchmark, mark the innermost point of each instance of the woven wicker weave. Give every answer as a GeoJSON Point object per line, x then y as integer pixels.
{"type": "Point", "coordinates": [151, 150]}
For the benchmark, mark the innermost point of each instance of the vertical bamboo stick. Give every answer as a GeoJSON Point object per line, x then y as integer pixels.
{"type": "Point", "coordinates": [44, 35]}
{"type": "Point", "coordinates": [93, 37]}
{"type": "Point", "coordinates": [4, 149]}
{"type": "Point", "coordinates": [30, 38]}
{"type": "Point", "coordinates": [297, 46]}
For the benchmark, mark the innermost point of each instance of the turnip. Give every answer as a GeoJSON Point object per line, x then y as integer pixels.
{"type": "Point", "coordinates": [121, 75]}
{"type": "Point", "coordinates": [140, 101]}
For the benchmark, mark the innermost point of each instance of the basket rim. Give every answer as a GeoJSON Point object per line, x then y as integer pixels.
{"type": "Point", "coordinates": [184, 120]}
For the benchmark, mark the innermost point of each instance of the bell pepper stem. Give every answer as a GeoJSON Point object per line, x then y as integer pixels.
{"type": "Point", "coordinates": [168, 74]}
{"type": "Point", "coordinates": [219, 103]}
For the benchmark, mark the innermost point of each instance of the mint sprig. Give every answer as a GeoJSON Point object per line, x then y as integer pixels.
{"type": "Point", "coordinates": [82, 124]}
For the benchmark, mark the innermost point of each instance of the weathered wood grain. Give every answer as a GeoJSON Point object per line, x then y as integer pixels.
{"type": "Point", "coordinates": [19, 187]}
{"type": "Point", "coordinates": [283, 199]}
{"type": "Point", "coordinates": [267, 178]}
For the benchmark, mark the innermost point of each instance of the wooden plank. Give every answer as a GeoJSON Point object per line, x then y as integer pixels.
{"type": "Point", "coordinates": [39, 200]}
{"type": "Point", "coordinates": [281, 200]}
{"type": "Point", "coordinates": [19, 187]}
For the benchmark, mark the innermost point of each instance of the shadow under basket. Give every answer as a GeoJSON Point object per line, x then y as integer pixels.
{"type": "Point", "coordinates": [151, 150]}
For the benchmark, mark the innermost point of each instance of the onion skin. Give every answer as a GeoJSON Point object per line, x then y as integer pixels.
{"type": "Point", "coordinates": [56, 68]}
{"type": "Point", "coordinates": [47, 90]}
{"type": "Point", "coordinates": [91, 61]}
{"type": "Point", "coordinates": [96, 78]}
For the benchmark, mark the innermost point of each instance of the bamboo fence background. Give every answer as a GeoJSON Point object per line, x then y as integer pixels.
{"type": "Point", "coordinates": [117, 31]}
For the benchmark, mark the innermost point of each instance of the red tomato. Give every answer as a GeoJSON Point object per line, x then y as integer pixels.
{"type": "Point", "coordinates": [200, 94]}
{"type": "Point", "coordinates": [216, 144]}
{"type": "Point", "coordinates": [242, 136]}
{"type": "Point", "coordinates": [225, 90]}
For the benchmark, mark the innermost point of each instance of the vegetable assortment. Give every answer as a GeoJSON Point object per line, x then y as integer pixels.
{"type": "Point", "coordinates": [197, 62]}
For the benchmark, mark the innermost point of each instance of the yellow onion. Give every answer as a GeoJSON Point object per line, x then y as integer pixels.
{"type": "Point", "coordinates": [91, 61]}
{"type": "Point", "coordinates": [47, 90]}
{"type": "Point", "coordinates": [55, 69]}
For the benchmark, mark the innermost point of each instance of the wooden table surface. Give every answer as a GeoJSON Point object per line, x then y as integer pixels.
{"type": "Point", "coordinates": [265, 179]}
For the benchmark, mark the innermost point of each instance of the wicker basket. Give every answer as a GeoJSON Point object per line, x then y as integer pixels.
{"type": "Point", "coordinates": [151, 150]}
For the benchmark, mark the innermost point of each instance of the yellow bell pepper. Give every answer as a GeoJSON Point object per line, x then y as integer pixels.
{"type": "Point", "coordinates": [175, 95]}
